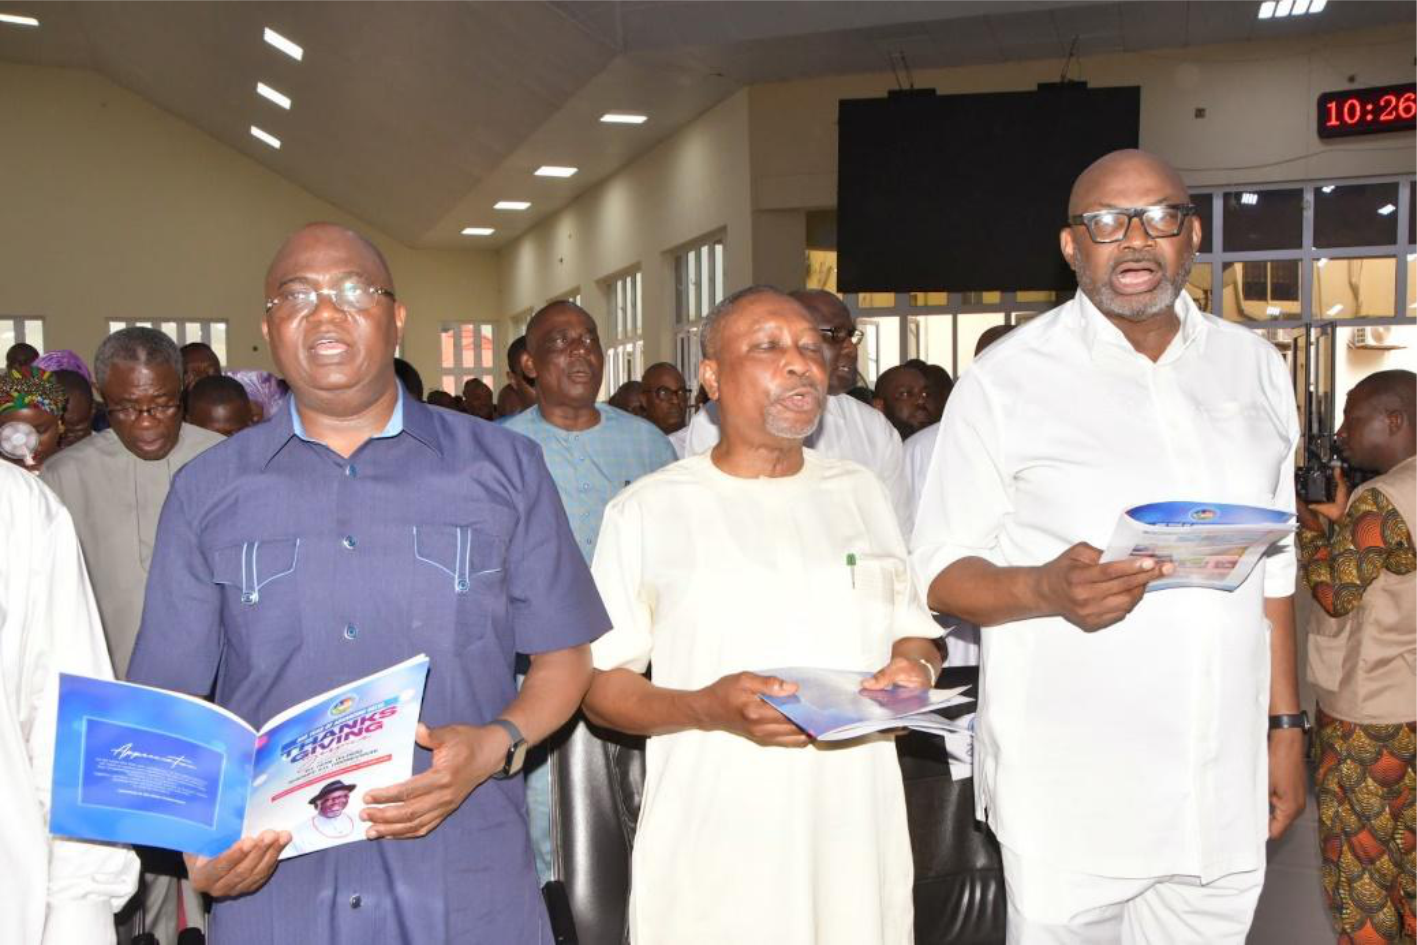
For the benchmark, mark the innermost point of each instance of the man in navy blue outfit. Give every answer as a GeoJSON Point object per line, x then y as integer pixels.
{"type": "Point", "coordinates": [347, 534]}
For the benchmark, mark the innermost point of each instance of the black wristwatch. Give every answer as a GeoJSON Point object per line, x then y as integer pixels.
{"type": "Point", "coordinates": [1299, 720]}
{"type": "Point", "coordinates": [516, 752]}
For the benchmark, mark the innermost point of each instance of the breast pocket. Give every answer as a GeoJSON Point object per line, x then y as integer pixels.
{"type": "Point", "coordinates": [460, 581]}
{"type": "Point", "coordinates": [261, 599]}
{"type": "Point", "coordinates": [1249, 445]}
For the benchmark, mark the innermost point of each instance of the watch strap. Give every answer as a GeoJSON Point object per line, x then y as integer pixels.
{"type": "Point", "coordinates": [517, 748]}
{"type": "Point", "coordinates": [1299, 720]}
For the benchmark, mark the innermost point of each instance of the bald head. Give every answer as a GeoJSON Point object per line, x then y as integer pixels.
{"type": "Point", "coordinates": [1378, 430]}
{"type": "Point", "coordinates": [546, 315]}
{"type": "Point", "coordinates": [1129, 163]}
{"type": "Point", "coordinates": [319, 240]}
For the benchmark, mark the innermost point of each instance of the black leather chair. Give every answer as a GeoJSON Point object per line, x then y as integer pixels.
{"type": "Point", "coordinates": [597, 782]}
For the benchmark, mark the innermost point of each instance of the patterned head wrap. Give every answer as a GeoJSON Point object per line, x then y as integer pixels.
{"type": "Point", "coordinates": [263, 388]}
{"type": "Point", "coordinates": [30, 386]}
{"type": "Point", "coordinates": [64, 360]}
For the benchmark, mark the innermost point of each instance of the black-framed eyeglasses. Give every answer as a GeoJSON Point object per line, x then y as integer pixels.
{"type": "Point", "coordinates": [126, 413]}
{"type": "Point", "coordinates": [350, 296]}
{"type": "Point", "coordinates": [839, 335]}
{"type": "Point", "coordinates": [667, 394]}
{"type": "Point", "coordinates": [1160, 222]}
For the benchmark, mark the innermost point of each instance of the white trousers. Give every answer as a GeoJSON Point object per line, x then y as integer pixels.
{"type": "Point", "coordinates": [1050, 906]}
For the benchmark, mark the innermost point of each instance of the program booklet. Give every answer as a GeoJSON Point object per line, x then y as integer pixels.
{"type": "Point", "coordinates": [1211, 545]}
{"type": "Point", "coordinates": [831, 706]}
{"type": "Point", "coordinates": [133, 764]}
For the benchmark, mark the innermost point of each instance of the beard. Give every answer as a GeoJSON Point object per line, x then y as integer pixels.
{"type": "Point", "coordinates": [791, 425]}
{"type": "Point", "coordinates": [1133, 308]}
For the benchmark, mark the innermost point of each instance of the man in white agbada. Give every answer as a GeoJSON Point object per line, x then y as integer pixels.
{"type": "Point", "coordinates": [55, 892]}
{"type": "Point", "coordinates": [1123, 757]}
{"type": "Point", "coordinates": [734, 561]}
{"type": "Point", "coordinates": [849, 429]}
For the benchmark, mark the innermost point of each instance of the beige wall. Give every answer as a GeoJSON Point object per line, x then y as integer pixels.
{"type": "Point", "coordinates": [692, 185]}
{"type": "Point", "coordinates": [115, 209]}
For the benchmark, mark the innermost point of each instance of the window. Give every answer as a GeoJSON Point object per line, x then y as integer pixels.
{"type": "Point", "coordinates": [211, 333]}
{"type": "Point", "coordinates": [698, 287]}
{"type": "Point", "coordinates": [624, 358]}
{"type": "Point", "coordinates": [468, 349]}
{"type": "Point", "coordinates": [16, 329]}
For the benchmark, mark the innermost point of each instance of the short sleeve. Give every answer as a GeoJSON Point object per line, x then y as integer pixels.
{"type": "Point", "coordinates": [551, 597]}
{"type": "Point", "coordinates": [618, 571]}
{"type": "Point", "coordinates": [965, 496]}
{"type": "Point", "coordinates": [1281, 563]}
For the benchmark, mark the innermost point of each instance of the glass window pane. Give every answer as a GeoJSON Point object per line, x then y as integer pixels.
{"type": "Point", "coordinates": [486, 350]}
{"type": "Point", "coordinates": [34, 333]}
{"type": "Point", "coordinates": [9, 333]}
{"type": "Point", "coordinates": [1198, 286]}
{"type": "Point", "coordinates": [970, 328]}
{"type": "Point", "coordinates": [880, 349]}
{"type": "Point", "coordinates": [931, 339]}
{"type": "Point", "coordinates": [1259, 291]}
{"type": "Point", "coordinates": [875, 300]}
{"type": "Point", "coordinates": [930, 299]}
{"type": "Point", "coordinates": [1368, 349]}
{"type": "Point", "coordinates": [219, 342]}
{"type": "Point", "coordinates": [1204, 207]}
{"type": "Point", "coordinates": [1263, 219]}
{"type": "Point", "coordinates": [718, 272]}
{"type": "Point", "coordinates": [449, 383]}
{"type": "Point", "coordinates": [445, 337]}
{"type": "Point", "coordinates": [1355, 215]}
{"type": "Point", "coordinates": [1355, 288]}
{"type": "Point", "coordinates": [1411, 284]}
{"type": "Point", "coordinates": [170, 330]}
{"type": "Point", "coordinates": [1028, 296]}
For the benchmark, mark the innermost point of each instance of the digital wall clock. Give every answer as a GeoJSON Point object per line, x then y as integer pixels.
{"type": "Point", "coordinates": [1368, 111]}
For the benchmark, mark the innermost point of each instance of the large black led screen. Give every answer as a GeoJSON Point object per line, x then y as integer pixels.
{"type": "Point", "coordinates": [967, 192]}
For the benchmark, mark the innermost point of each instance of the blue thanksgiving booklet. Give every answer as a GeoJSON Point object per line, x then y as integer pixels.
{"type": "Point", "coordinates": [1211, 544]}
{"type": "Point", "coordinates": [133, 764]}
{"type": "Point", "coordinates": [830, 705]}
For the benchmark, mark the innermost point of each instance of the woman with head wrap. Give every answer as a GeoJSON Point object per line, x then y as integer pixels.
{"type": "Point", "coordinates": [32, 396]}
{"type": "Point", "coordinates": [64, 360]}
{"type": "Point", "coordinates": [267, 392]}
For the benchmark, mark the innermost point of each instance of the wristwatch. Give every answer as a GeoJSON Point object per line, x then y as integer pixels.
{"type": "Point", "coordinates": [516, 751]}
{"type": "Point", "coordinates": [1299, 720]}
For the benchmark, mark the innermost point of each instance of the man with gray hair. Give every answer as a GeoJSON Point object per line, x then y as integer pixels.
{"type": "Point", "coordinates": [796, 560]}
{"type": "Point", "coordinates": [114, 484]}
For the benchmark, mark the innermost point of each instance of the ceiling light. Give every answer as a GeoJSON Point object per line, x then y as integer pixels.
{"type": "Point", "coordinates": [15, 20]}
{"type": "Point", "coordinates": [623, 118]}
{"type": "Point", "coordinates": [1284, 8]}
{"type": "Point", "coordinates": [511, 205]}
{"type": "Point", "coordinates": [551, 170]}
{"type": "Point", "coordinates": [478, 231]}
{"type": "Point", "coordinates": [1266, 9]}
{"type": "Point", "coordinates": [292, 50]}
{"type": "Point", "coordinates": [1322, 262]}
{"type": "Point", "coordinates": [1412, 257]}
{"type": "Point", "coordinates": [1385, 209]}
{"type": "Point", "coordinates": [1317, 6]}
{"type": "Point", "coordinates": [1249, 199]}
{"type": "Point", "coordinates": [1327, 188]}
{"type": "Point", "coordinates": [1272, 310]}
{"type": "Point", "coordinates": [1334, 310]}
{"type": "Point", "coordinates": [1301, 7]}
{"type": "Point", "coordinates": [265, 136]}
{"type": "Point", "coordinates": [266, 92]}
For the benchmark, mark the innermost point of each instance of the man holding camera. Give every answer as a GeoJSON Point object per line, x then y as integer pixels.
{"type": "Point", "coordinates": [1358, 563]}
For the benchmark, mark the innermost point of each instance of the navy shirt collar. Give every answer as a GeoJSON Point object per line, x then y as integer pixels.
{"type": "Point", "coordinates": [409, 416]}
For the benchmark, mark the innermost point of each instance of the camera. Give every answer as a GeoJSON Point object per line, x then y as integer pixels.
{"type": "Point", "coordinates": [1316, 479]}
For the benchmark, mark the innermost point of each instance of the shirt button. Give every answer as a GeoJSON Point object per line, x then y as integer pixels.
{"type": "Point", "coordinates": [351, 471]}
{"type": "Point", "coordinates": [461, 585]}
{"type": "Point", "coordinates": [349, 542]}
{"type": "Point", "coordinates": [350, 631]}
{"type": "Point", "coordinates": [585, 487]}
{"type": "Point", "coordinates": [355, 901]}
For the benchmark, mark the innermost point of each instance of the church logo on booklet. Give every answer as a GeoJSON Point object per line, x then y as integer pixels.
{"type": "Point", "coordinates": [343, 705]}
{"type": "Point", "coordinates": [1203, 515]}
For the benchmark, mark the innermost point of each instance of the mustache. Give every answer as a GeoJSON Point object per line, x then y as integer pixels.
{"type": "Point", "coordinates": [804, 387]}
{"type": "Point", "coordinates": [1132, 258]}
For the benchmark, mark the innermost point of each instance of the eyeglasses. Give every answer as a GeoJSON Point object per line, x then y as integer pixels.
{"type": "Point", "coordinates": [350, 296]}
{"type": "Point", "coordinates": [839, 335]}
{"type": "Point", "coordinates": [1162, 221]}
{"type": "Point", "coordinates": [566, 341]}
{"type": "Point", "coordinates": [670, 393]}
{"type": "Point", "coordinates": [127, 414]}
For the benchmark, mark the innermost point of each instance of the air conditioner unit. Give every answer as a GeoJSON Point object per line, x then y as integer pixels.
{"type": "Point", "coordinates": [1378, 337]}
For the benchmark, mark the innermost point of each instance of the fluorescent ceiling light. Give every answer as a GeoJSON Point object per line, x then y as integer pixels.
{"type": "Point", "coordinates": [478, 231]}
{"type": "Point", "coordinates": [1301, 7]}
{"type": "Point", "coordinates": [1317, 6]}
{"type": "Point", "coordinates": [1337, 307]}
{"type": "Point", "coordinates": [511, 205]}
{"type": "Point", "coordinates": [1249, 199]}
{"type": "Point", "coordinates": [292, 50]}
{"type": "Point", "coordinates": [1327, 188]}
{"type": "Point", "coordinates": [1284, 8]}
{"type": "Point", "coordinates": [1272, 310]}
{"type": "Point", "coordinates": [1385, 209]}
{"type": "Point", "coordinates": [1266, 9]}
{"type": "Point", "coordinates": [265, 136]}
{"type": "Point", "coordinates": [16, 20]}
{"type": "Point", "coordinates": [623, 118]}
{"type": "Point", "coordinates": [551, 170]}
{"type": "Point", "coordinates": [266, 92]}
{"type": "Point", "coordinates": [1322, 262]}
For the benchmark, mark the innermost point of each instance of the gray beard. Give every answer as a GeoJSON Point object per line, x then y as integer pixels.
{"type": "Point", "coordinates": [779, 427]}
{"type": "Point", "coordinates": [1135, 308]}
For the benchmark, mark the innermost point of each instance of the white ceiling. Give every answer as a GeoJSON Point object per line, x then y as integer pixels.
{"type": "Point", "coordinates": [419, 116]}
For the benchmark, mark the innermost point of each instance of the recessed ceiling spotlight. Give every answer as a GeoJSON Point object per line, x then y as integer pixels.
{"type": "Point", "coordinates": [270, 94]}
{"type": "Point", "coordinates": [17, 20]}
{"type": "Point", "coordinates": [1249, 199]}
{"type": "Point", "coordinates": [1271, 9]}
{"type": "Point", "coordinates": [265, 136]}
{"type": "Point", "coordinates": [623, 118]}
{"type": "Point", "coordinates": [1322, 262]}
{"type": "Point", "coordinates": [1327, 188]}
{"type": "Point", "coordinates": [1317, 6]}
{"type": "Point", "coordinates": [293, 50]}
{"type": "Point", "coordinates": [1338, 307]}
{"type": "Point", "coordinates": [1283, 8]}
{"type": "Point", "coordinates": [551, 170]}
{"type": "Point", "coordinates": [1301, 7]}
{"type": "Point", "coordinates": [1266, 9]}
{"type": "Point", "coordinates": [478, 231]}
{"type": "Point", "coordinates": [1385, 209]}
{"type": "Point", "coordinates": [511, 205]}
